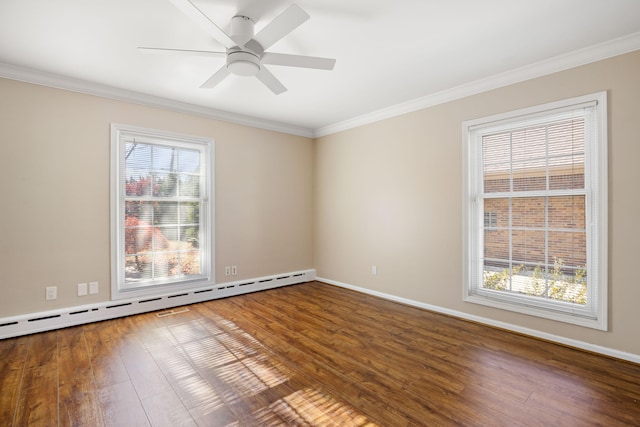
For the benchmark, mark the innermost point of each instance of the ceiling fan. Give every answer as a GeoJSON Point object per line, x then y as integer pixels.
{"type": "Point", "coordinates": [245, 51]}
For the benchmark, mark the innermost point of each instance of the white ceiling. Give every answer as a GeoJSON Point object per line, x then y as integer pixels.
{"type": "Point", "coordinates": [388, 53]}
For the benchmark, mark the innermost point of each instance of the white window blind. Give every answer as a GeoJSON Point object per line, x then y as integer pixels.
{"type": "Point", "coordinates": [540, 176]}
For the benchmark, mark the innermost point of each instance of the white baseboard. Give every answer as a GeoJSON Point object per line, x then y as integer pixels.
{"type": "Point", "coordinates": [631, 357]}
{"type": "Point", "coordinates": [78, 315]}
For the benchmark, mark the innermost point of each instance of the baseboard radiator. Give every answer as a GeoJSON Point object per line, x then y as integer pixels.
{"type": "Point", "coordinates": [78, 315]}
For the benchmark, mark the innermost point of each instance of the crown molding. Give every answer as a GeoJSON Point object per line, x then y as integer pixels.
{"type": "Point", "coordinates": [556, 64]}
{"type": "Point", "coordinates": [573, 59]}
{"type": "Point", "coordinates": [57, 81]}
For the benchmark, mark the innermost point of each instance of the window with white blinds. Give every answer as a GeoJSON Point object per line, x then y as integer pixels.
{"type": "Point", "coordinates": [161, 211]}
{"type": "Point", "coordinates": [536, 210]}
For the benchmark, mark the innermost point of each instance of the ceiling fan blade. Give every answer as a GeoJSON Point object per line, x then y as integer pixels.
{"type": "Point", "coordinates": [298, 61]}
{"type": "Point", "coordinates": [270, 81]}
{"type": "Point", "coordinates": [214, 80]}
{"type": "Point", "coordinates": [192, 11]}
{"type": "Point", "coordinates": [282, 25]}
{"type": "Point", "coordinates": [162, 50]}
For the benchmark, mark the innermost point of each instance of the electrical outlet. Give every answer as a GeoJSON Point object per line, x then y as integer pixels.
{"type": "Point", "coordinates": [82, 289]}
{"type": "Point", "coordinates": [227, 271]}
{"type": "Point", "coordinates": [374, 270]}
{"type": "Point", "coordinates": [234, 270]}
{"type": "Point", "coordinates": [93, 288]}
{"type": "Point", "coordinates": [52, 293]}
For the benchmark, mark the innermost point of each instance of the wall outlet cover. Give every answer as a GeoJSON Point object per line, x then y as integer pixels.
{"type": "Point", "coordinates": [93, 288]}
{"type": "Point", "coordinates": [82, 289]}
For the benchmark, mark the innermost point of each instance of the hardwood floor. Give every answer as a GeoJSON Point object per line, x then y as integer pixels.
{"type": "Point", "coordinates": [310, 354]}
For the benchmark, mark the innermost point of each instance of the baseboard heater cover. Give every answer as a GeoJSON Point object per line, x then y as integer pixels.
{"type": "Point", "coordinates": [78, 315]}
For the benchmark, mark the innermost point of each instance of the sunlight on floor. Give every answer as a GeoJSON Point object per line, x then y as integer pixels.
{"type": "Point", "coordinates": [214, 366]}
{"type": "Point", "coordinates": [250, 376]}
{"type": "Point", "coordinates": [311, 407]}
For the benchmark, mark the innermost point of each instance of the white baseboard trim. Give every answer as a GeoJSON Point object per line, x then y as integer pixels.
{"type": "Point", "coordinates": [631, 357]}
{"type": "Point", "coordinates": [78, 315]}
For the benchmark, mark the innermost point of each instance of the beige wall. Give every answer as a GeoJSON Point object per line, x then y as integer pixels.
{"type": "Point", "coordinates": [390, 194]}
{"type": "Point", "coordinates": [54, 182]}
{"type": "Point", "coordinates": [387, 194]}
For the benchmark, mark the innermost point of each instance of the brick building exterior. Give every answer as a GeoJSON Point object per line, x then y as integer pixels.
{"type": "Point", "coordinates": [566, 235]}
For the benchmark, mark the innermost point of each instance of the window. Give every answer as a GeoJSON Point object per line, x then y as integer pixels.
{"type": "Point", "coordinates": [535, 211]}
{"type": "Point", "coordinates": [161, 211]}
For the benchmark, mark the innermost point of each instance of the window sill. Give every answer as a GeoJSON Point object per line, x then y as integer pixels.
{"type": "Point", "coordinates": [531, 310]}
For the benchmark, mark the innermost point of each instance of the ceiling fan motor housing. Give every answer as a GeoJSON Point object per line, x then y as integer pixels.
{"type": "Point", "coordinates": [241, 29]}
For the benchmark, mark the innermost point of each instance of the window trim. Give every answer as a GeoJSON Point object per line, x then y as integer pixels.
{"type": "Point", "coordinates": [597, 250]}
{"type": "Point", "coordinates": [118, 290]}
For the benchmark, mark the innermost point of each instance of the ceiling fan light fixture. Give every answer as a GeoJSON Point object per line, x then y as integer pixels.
{"type": "Point", "coordinates": [243, 63]}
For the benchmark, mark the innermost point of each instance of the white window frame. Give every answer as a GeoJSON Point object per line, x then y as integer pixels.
{"type": "Point", "coordinates": [119, 134]}
{"type": "Point", "coordinates": [594, 315]}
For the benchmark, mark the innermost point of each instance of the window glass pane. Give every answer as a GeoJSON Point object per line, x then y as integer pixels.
{"type": "Point", "coordinates": [566, 172]}
{"type": "Point", "coordinates": [569, 248]}
{"type": "Point", "coordinates": [566, 137]}
{"type": "Point", "coordinates": [188, 237]}
{"type": "Point", "coordinates": [497, 178]}
{"type": "Point", "coordinates": [562, 283]}
{"type": "Point", "coordinates": [526, 178]}
{"type": "Point", "coordinates": [528, 246]}
{"type": "Point", "coordinates": [496, 245]}
{"type": "Point", "coordinates": [498, 209]}
{"type": "Point", "coordinates": [496, 147]}
{"type": "Point", "coordinates": [137, 156]}
{"type": "Point", "coordinates": [139, 209]}
{"type": "Point", "coordinates": [528, 212]}
{"type": "Point", "coordinates": [165, 213]}
{"type": "Point", "coordinates": [490, 220]}
{"type": "Point", "coordinates": [189, 161]}
{"type": "Point", "coordinates": [138, 183]}
{"type": "Point", "coordinates": [567, 212]}
{"type": "Point", "coordinates": [166, 185]}
{"type": "Point", "coordinates": [138, 268]}
{"type": "Point", "coordinates": [189, 262]}
{"type": "Point", "coordinates": [498, 277]}
{"type": "Point", "coordinates": [566, 179]}
{"type": "Point", "coordinates": [189, 185]}
{"type": "Point", "coordinates": [139, 235]}
{"type": "Point", "coordinates": [163, 159]}
{"type": "Point", "coordinates": [163, 238]}
{"type": "Point", "coordinates": [566, 154]}
{"type": "Point", "coordinates": [496, 164]}
{"type": "Point", "coordinates": [190, 213]}
{"type": "Point", "coordinates": [529, 146]}
{"type": "Point", "coordinates": [160, 265]}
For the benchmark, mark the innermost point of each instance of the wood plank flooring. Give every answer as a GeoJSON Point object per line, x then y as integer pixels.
{"type": "Point", "coordinates": [310, 355]}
